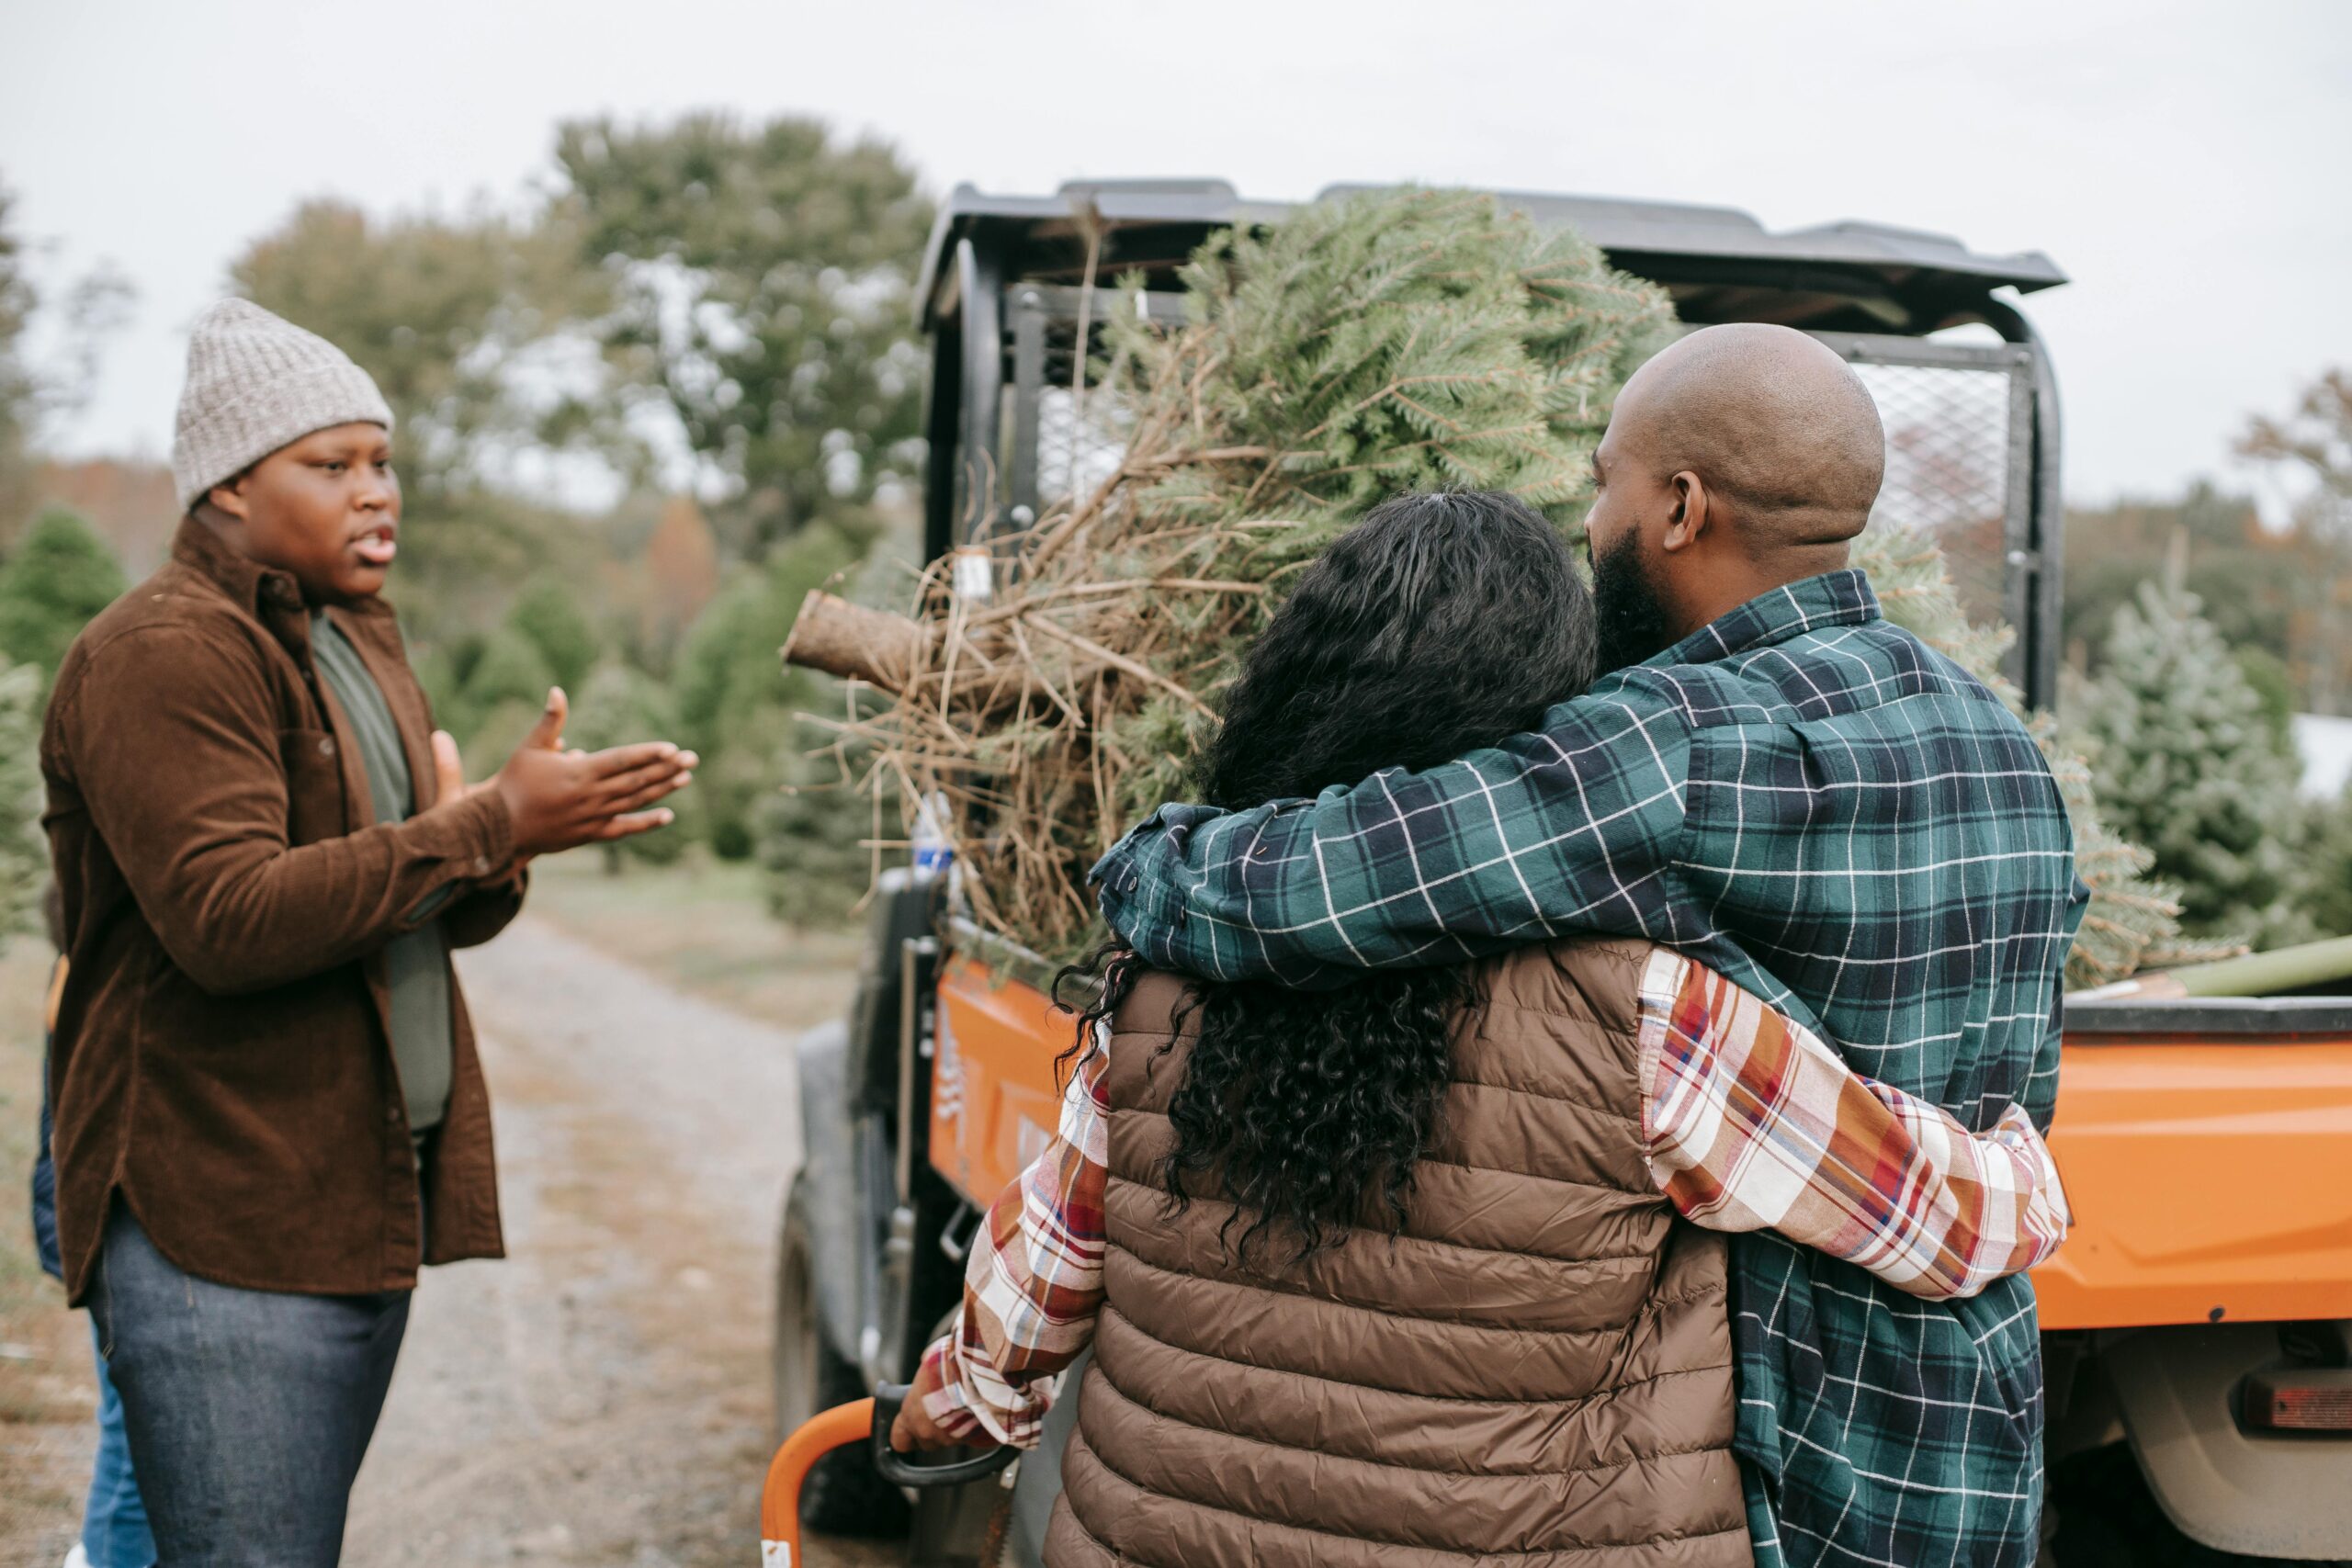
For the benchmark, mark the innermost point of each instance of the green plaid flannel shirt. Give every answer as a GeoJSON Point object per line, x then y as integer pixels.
{"type": "Point", "coordinates": [1809, 799]}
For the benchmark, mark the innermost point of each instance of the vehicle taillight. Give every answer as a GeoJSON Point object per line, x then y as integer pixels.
{"type": "Point", "coordinates": [2306, 1399]}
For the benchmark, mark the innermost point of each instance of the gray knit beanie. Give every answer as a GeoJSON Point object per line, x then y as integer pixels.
{"type": "Point", "coordinates": [256, 382]}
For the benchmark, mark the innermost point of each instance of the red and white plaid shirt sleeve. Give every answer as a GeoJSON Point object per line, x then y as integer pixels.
{"type": "Point", "coordinates": [1748, 1122]}
{"type": "Point", "coordinates": [1031, 1292]}
{"type": "Point", "coordinates": [1752, 1122]}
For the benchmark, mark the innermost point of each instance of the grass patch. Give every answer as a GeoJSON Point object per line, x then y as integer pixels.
{"type": "Point", "coordinates": [46, 1393]}
{"type": "Point", "coordinates": [25, 1291]}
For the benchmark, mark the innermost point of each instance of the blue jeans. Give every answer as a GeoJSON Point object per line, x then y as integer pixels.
{"type": "Point", "coordinates": [114, 1522]}
{"type": "Point", "coordinates": [248, 1411]}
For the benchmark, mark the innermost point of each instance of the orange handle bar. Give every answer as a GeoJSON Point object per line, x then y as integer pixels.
{"type": "Point", "coordinates": [780, 1497]}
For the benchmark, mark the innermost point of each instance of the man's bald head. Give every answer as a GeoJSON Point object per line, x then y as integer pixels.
{"type": "Point", "coordinates": [1771, 420]}
{"type": "Point", "coordinates": [1740, 460]}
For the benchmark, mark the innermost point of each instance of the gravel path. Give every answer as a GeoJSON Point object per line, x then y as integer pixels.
{"type": "Point", "coordinates": [600, 1397]}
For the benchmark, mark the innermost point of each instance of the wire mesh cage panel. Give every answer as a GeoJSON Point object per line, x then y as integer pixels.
{"type": "Point", "coordinates": [1063, 437]}
{"type": "Point", "coordinates": [1961, 469]}
{"type": "Point", "coordinates": [1948, 470]}
{"type": "Point", "coordinates": [1081, 434]}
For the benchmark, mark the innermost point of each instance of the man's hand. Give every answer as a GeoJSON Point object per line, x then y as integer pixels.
{"type": "Point", "coordinates": [559, 800]}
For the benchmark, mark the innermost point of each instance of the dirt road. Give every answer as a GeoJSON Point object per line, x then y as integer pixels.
{"type": "Point", "coordinates": [601, 1396]}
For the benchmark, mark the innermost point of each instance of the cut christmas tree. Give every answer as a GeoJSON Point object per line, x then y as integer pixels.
{"type": "Point", "coordinates": [1383, 344]}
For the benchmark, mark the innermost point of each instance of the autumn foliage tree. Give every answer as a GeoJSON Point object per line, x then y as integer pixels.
{"type": "Point", "coordinates": [680, 572]}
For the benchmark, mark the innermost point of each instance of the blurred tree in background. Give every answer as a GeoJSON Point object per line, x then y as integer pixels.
{"type": "Point", "coordinates": [508, 683]}
{"type": "Point", "coordinates": [547, 613]}
{"type": "Point", "coordinates": [734, 702]}
{"type": "Point", "coordinates": [762, 278]}
{"type": "Point", "coordinates": [681, 572]}
{"type": "Point", "coordinates": [815, 832]}
{"type": "Point", "coordinates": [18, 389]}
{"type": "Point", "coordinates": [2313, 447]}
{"type": "Point", "coordinates": [442, 313]}
{"type": "Point", "coordinates": [56, 573]}
{"type": "Point", "coordinates": [56, 577]}
{"type": "Point", "coordinates": [89, 309]}
{"type": "Point", "coordinates": [2187, 764]}
{"type": "Point", "coordinates": [2247, 576]}
{"type": "Point", "coordinates": [2327, 862]}
{"type": "Point", "coordinates": [24, 851]}
{"type": "Point", "coordinates": [2286, 591]}
{"type": "Point", "coordinates": [615, 705]}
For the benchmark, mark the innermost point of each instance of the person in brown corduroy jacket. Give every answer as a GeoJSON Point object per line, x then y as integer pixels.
{"type": "Point", "coordinates": [1406, 1273]}
{"type": "Point", "coordinates": [268, 1109]}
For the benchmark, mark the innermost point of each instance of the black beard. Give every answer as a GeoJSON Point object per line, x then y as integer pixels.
{"type": "Point", "coordinates": [1629, 619]}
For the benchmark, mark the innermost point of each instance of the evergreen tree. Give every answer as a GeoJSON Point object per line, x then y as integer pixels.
{"type": "Point", "coordinates": [547, 614]}
{"type": "Point", "coordinates": [2265, 674]}
{"type": "Point", "coordinates": [496, 732]}
{"type": "Point", "coordinates": [2325, 897]}
{"type": "Point", "coordinates": [814, 833]}
{"type": "Point", "coordinates": [734, 703]}
{"type": "Point", "coordinates": [24, 852]}
{"type": "Point", "coordinates": [619, 705]}
{"type": "Point", "coordinates": [2187, 764]}
{"type": "Point", "coordinates": [510, 674]}
{"type": "Point", "coordinates": [59, 576]}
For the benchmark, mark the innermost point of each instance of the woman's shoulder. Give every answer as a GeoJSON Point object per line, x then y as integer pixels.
{"type": "Point", "coordinates": [1592, 980]}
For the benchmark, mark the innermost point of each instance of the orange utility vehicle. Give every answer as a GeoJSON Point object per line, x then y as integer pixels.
{"type": "Point", "coordinates": [2198, 1324]}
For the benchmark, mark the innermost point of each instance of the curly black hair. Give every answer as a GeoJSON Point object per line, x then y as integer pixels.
{"type": "Point", "coordinates": [1439, 624]}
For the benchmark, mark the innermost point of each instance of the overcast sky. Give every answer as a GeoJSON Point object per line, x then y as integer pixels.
{"type": "Point", "coordinates": [2185, 163]}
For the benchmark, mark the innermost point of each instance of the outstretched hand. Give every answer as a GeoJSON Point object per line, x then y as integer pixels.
{"type": "Point", "coordinates": [449, 768]}
{"type": "Point", "coordinates": [559, 799]}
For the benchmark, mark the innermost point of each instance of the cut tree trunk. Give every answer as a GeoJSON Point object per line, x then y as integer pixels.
{"type": "Point", "coordinates": [991, 667]}
{"type": "Point", "coordinates": [858, 644]}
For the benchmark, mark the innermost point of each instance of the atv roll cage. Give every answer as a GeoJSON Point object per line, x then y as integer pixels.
{"type": "Point", "coordinates": [1972, 423]}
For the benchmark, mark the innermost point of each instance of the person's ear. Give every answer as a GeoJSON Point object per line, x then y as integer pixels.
{"type": "Point", "coordinates": [230, 499]}
{"type": "Point", "coordinates": [1686, 516]}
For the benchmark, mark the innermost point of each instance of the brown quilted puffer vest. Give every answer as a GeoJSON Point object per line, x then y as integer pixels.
{"type": "Point", "coordinates": [1537, 1373]}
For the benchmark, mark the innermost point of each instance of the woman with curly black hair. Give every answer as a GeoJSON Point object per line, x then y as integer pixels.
{"type": "Point", "coordinates": [1414, 1270]}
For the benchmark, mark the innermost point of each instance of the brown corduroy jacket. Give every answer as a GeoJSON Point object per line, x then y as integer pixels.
{"type": "Point", "coordinates": [223, 1057]}
{"type": "Point", "coordinates": [1536, 1372]}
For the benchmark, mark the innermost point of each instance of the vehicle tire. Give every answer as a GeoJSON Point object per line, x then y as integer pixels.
{"type": "Point", "coordinates": [842, 1494]}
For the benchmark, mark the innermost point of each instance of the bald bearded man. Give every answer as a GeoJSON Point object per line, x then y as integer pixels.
{"type": "Point", "coordinates": [1796, 792]}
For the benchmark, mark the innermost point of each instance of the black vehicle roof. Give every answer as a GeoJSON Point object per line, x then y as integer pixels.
{"type": "Point", "coordinates": [1720, 263]}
